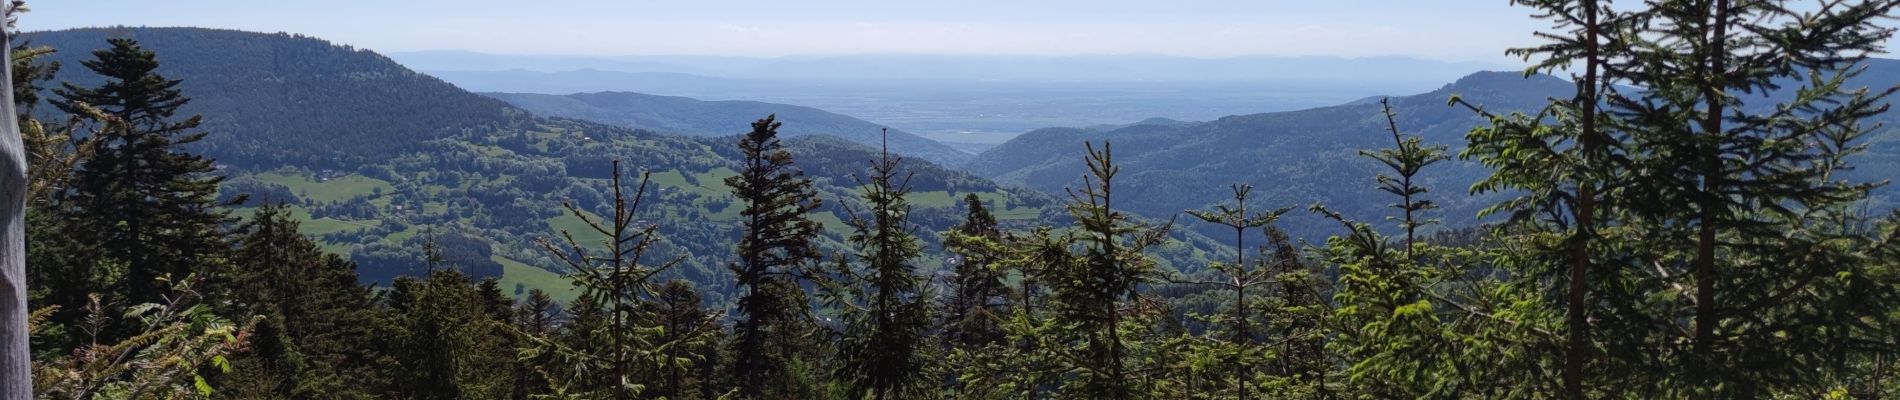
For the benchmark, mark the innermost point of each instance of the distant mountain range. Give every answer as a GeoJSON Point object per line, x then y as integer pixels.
{"type": "Point", "coordinates": [689, 116]}
{"type": "Point", "coordinates": [1303, 157]}
{"type": "Point", "coordinates": [1008, 68]}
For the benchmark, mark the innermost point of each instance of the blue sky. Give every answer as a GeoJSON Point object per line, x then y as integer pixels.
{"type": "Point", "coordinates": [1452, 30]}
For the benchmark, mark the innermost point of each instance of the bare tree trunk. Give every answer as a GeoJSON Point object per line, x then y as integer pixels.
{"type": "Point", "coordinates": [16, 376]}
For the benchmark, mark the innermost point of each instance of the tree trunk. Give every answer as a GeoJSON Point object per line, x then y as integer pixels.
{"type": "Point", "coordinates": [1576, 353]}
{"type": "Point", "coordinates": [16, 376]}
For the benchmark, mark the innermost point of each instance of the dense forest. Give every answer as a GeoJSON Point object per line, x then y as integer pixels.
{"type": "Point", "coordinates": [1659, 230]}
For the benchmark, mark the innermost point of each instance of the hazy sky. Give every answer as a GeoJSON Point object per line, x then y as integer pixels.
{"type": "Point", "coordinates": [1461, 30]}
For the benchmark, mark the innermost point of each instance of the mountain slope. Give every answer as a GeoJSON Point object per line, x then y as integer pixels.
{"type": "Point", "coordinates": [717, 118]}
{"type": "Point", "coordinates": [1296, 158]}
{"type": "Point", "coordinates": [290, 99]}
{"type": "Point", "coordinates": [483, 188]}
{"type": "Point", "coordinates": [1311, 156]}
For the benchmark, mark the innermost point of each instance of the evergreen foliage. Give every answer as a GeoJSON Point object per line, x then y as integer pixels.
{"type": "Point", "coordinates": [774, 254]}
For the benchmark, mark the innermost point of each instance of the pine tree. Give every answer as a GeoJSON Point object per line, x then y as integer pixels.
{"type": "Point", "coordinates": [774, 252]}
{"type": "Point", "coordinates": [147, 204]}
{"type": "Point", "coordinates": [886, 313]}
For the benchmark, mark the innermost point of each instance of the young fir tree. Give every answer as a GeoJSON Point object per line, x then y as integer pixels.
{"type": "Point", "coordinates": [144, 203]}
{"type": "Point", "coordinates": [622, 285]}
{"type": "Point", "coordinates": [977, 303]}
{"type": "Point", "coordinates": [1413, 318]}
{"type": "Point", "coordinates": [1239, 278]}
{"type": "Point", "coordinates": [882, 351]}
{"type": "Point", "coordinates": [774, 252]}
{"type": "Point", "coordinates": [1092, 296]}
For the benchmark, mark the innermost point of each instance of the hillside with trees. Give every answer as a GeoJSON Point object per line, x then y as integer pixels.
{"type": "Point", "coordinates": [1690, 239]}
{"type": "Point", "coordinates": [687, 116]}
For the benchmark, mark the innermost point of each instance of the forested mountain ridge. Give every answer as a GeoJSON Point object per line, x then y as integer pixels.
{"type": "Point", "coordinates": [683, 115]}
{"type": "Point", "coordinates": [1312, 156]}
{"type": "Point", "coordinates": [347, 106]}
{"type": "Point", "coordinates": [391, 166]}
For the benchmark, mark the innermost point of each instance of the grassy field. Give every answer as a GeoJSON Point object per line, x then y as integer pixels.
{"type": "Point", "coordinates": [514, 272]}
{"type": "Point", "coordinates": [336, 189]}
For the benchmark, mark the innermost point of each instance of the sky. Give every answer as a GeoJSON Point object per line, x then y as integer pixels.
{"type": "Point", "coordinates": [1447, 30]}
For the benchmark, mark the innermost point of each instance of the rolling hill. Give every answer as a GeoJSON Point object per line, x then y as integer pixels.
{"type": "Point", "coordinates": [689, 116]}
{"type": "Point", "coordinates": [1311, 156]}
{"type": "Point", "coordinates": [280, 99]}
{"type": "Point", "coordinates": [376, 160]}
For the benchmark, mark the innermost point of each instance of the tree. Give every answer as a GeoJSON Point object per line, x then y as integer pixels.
{"type": "Point", "coordinates": [774, 253]}
{"type": "Point", "coordinates": [537, 317]}
{"type": "Point", "coordinates": [621, 283]}
{"type": "Point", "coordinates": [1561, 166]}
{"type": "Point", "coordinates": [16, 375]}
{"type": "Point", "coordinates": [1092, 293]}
{"type": "Point", "coordinates": [147, 204]}
{"type": "Point", "coordinates": [978, 296]}
{"type": "Point", "coordinates": [315, 319]}
{"type": "Point", "coordinates": [1239, 277]}
{"type": "Point", "coordinates": [886, 313]}
{"type": "Point", "coordinates": [1736, 203]}
{"type": "Point", "coordinates": [176, 343]}
{"type": "Point", "coordinates": [682, 320]}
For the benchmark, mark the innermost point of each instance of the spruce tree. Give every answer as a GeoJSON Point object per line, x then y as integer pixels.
{"type": "Point", "coordinates": [1240, 276]}
{"type": "Point", "coordinates": [976, 304]}
{"type": "Point", "coordinates": [684, 322]}
{"type": "Point", "coordinates": [621, 282]}
{"type": "Point", "coordinates": [145, 201]}
{"type": "Point", "coordinates": [537, 317]}
{"type": "Point", "coordinates": [1559, 159]}
{"type": "Point", "coordinates": [1091, 296]}
{"type": "Point", "coordinates": [315, 317]}
{"type": "Point", "coordinates": [774, 253]}
{"type": "Point", "coordinates": [886, 314]}
{"type": "Point", "coordinates": [1736, 204]}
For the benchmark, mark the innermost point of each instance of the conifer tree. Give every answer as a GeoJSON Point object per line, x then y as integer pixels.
{"type": "Point", "coordinates": [315, 318]}
{"type": "Point", "coordinates": [1091, 296]}
{"type": "Point", "coordinates": [774, 252]}
{"type": "Point", "coordinates": [979, 296]}
{"type": "Point", "coordinates": [1239, 275]}
{"type": "Point", "coordinates": [681, 319]}
{"type": "Point", "coordinates": [445, 339]}
{"type": "Point", "coordinates": [537, 317]}
{"type": "Point", "coordinates": [622, 284]}
{"type": "Point", "coordinates": [1735, 193]}
{"type": "Point", "coordinates": [886, 313]}
{"type": "Point", "coordinates": [139, 196]}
